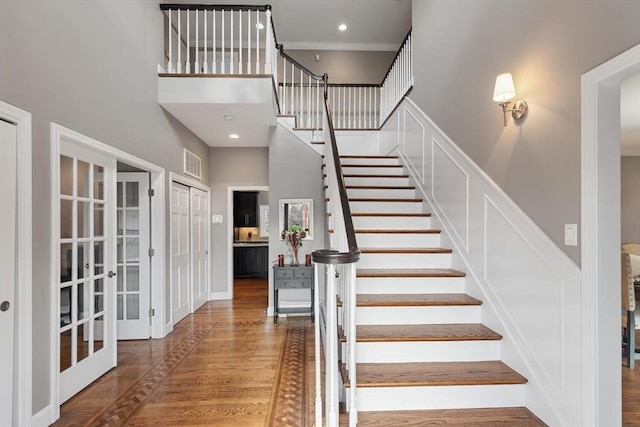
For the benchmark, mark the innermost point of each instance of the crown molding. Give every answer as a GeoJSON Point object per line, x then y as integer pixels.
{"type": "Point", "coordinates": [383, 47]}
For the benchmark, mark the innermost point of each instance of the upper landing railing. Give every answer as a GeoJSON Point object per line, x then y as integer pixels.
{"type": "Point", "coordinates": [241, 40]}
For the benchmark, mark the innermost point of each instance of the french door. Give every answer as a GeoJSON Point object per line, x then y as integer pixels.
{"type": "Point", "coordinates": [87, 270]}
{"type": "Point", "coordinates": [133, 289]}
{"type": "Point", "coordinates": [8, 256]}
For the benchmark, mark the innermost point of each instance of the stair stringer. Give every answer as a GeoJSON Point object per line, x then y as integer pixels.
{"type": "Point", "coordinates": [553, 391]}
{"type": "Point", "coordinates": [307, 136]}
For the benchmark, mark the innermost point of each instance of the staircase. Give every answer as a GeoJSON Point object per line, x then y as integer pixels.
{"type": "Point", "coordinates": [423, 357]}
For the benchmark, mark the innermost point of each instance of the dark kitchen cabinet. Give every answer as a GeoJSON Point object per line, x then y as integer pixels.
{"type": "Point", "coordinates": [251, 262]}
{"type": "Point", "coordinates": [245, 206]}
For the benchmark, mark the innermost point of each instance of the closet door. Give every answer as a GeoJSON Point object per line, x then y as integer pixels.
{"type": "Point", "coordinates": [200, 247]}
{"type": "Point", "coordinates": [180, 252]}
{"type": "Point", "coordinates": [8, 257]}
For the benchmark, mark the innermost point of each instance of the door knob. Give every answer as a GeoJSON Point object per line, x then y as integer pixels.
{"type": "Point", "coordinates": [111, 274]}
{"type": "Point", "coordinates": [4, 306]}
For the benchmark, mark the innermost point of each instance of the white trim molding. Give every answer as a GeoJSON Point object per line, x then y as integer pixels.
{"type": "Point", "coordinates": [600, 212]}
{"type": "Point", "coordinates": [23, 359]}
{"type": "Point", "coordinates": [529, 287]}
{"type": "Point", "coordinates": [381, 47]}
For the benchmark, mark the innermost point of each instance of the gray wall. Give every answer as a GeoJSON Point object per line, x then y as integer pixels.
{"type": "Point", "coordinates": [295, 172]}
{"type": "Point", "coordinates": [460, 48]}
{"type": "Point", "coordinates": [345, 66]}
{"type": "Point", "coordinates": [89, 66]}
{"type": "Point", "coordinates": [630, 196]}
{"type": "Point", "coordinates": [231, 167]}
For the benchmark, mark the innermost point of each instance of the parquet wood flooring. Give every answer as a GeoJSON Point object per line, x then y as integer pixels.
{"type": "Point", "coordinates": [225, 365]}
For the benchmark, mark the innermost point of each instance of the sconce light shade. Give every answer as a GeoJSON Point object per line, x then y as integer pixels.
{"type": "Point", "coordinates": [503, 93]}
{"type": "Point", "coordinates": [504, 90]}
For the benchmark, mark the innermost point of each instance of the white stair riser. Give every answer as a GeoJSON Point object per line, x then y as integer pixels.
{"type": "Point", "coordinates": [419, 315]}
{"type": "Point", "coordinates": [375, 181]}
{"type": "Point", "coordinates": [439, 397]}
{"type": "Point", "coordinates": [410, 285]}
{"type": "Point", "coordinates": [391, 222]}
{"type": "Point", "coordinates": [360, 170]}
{"type": "Point", "coordinates": [370, 161]}
{"type": "Point", "coordinates": [404, 260]}
{"type": "Point", "coordinates": [392, 193]}
{"type": "Point", "coordinates": [426, 351]}
{"type": "Point", "coordinates": [385, 207]}
{"type": "Point", "coordinates": [398, 240]}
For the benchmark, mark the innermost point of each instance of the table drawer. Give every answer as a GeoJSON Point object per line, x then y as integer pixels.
{"type": "Point", "coordinates": [284, 273]}
{"type": "Point", "coordinates": [293, 284]}
{"type": "Point", "coordinates": [304, 273]}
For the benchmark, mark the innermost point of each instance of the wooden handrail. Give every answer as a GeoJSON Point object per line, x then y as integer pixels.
{"type": "Point", "coordinates": [174, 6]}
{"type": "Point", "coordinates": [397, 54]}
{"type": "Point", "coordinates": [326, 256]}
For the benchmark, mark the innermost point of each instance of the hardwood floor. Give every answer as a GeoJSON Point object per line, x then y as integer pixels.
{"type": "Point", "coordinates": [229, 365]}
{"type": "Point", "coordinates": [226, 365]}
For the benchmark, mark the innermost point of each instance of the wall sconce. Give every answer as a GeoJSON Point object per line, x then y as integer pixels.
{"type": "Point", "coordinates": [503, 92]}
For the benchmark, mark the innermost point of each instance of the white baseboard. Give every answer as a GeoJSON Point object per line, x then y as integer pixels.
{"type": "Point", "coordinates": [43, 418]}
{"type": "Point", "coordinates": [219, 296]}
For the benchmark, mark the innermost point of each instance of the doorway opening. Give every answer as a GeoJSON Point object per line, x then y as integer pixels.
{"type": "Point", "coordinates": [600, 252]}
{"type": "Point", "coordinates": [247, 234]}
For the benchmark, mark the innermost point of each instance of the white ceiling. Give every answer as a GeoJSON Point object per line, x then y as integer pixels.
{"type": "Point", "coordinates": [306, 24]}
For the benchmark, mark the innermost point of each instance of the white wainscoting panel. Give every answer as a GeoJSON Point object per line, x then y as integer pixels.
{"type": "Point", "coordinates": [413, 137]}
{"type": "Point", "coordinates": [530, 288]}
{"type": "Point", "coordinates": [523, 285]}
{"type": "Point", "coordinates": [450, 192]}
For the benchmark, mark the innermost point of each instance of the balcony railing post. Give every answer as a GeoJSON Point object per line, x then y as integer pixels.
{"type": "Point", "coordinates": [267, 43]}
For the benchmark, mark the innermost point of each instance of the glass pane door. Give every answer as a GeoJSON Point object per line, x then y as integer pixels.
{"type": "Point", "coordinates": [86, 341]}
{"type": "Point", "coordinates": [133, 286]}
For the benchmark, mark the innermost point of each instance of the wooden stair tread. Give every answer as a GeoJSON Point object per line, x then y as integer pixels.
{"type": "Point", "coordinates": [405, 251]}
{"type": "Point", "coordinates": [409, 272]}
{"type": "Point", "coordinates": [398, 231]}
{"type": "Point", "coordinates": [389, 200]}
{"type": "Point", "coordinates": [484, 417]}
{"type": "Point", "coordinates": [357, 165]}
{"type": "Point", "coordinates": [434, 374]}
{"type": "Point", "coordinates": [359, 175]}
{"type": "Point", "coordinates": [412, 300]}
{"type": "Point", "coordinates": [414, 333]}
{"type": "Point", "coordinates": [365, 156]}
{"type": "Point", "coordinates": [390, 214]}
{"type": "Point", "coordinates": [381, 187]}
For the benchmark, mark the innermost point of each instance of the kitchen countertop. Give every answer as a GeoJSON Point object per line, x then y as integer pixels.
{"type": "Point", "coordinates": [244, 244]}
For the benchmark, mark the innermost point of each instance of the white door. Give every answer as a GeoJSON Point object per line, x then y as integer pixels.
{"type": "Point", "coordinates": [87, 282]}
{"type": "Point", "coordinates": [199, 247]}
{"type": "Point", "coordinates": [8, 160]}
{"type": "Point", "coordinates": [180, 252]}
{"type": "Point", "coordinates": [133, 290]}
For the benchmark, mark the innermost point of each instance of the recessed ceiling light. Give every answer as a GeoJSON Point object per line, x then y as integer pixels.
{"type": "Point", "coordinates": [342, 27]}
{"type": "Point", "coordinates": [234, 136]}
{"type": "Point", "coordinates": [228, 118]}
{"type": "Point", "coordinates": [260, 25]}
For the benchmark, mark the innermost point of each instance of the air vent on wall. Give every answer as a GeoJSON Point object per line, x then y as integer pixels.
{"type": "Point", "coordinates": [192, 164]}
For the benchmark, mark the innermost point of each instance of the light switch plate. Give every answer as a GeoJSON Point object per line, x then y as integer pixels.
{"type": "Point", "coordinates": [571, 234]}
{"type": "Point", "coordinates": [216, 219]}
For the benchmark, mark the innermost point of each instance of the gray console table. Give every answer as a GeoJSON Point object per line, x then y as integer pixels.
{"type": "Point", "coordinates": [291, 277]}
